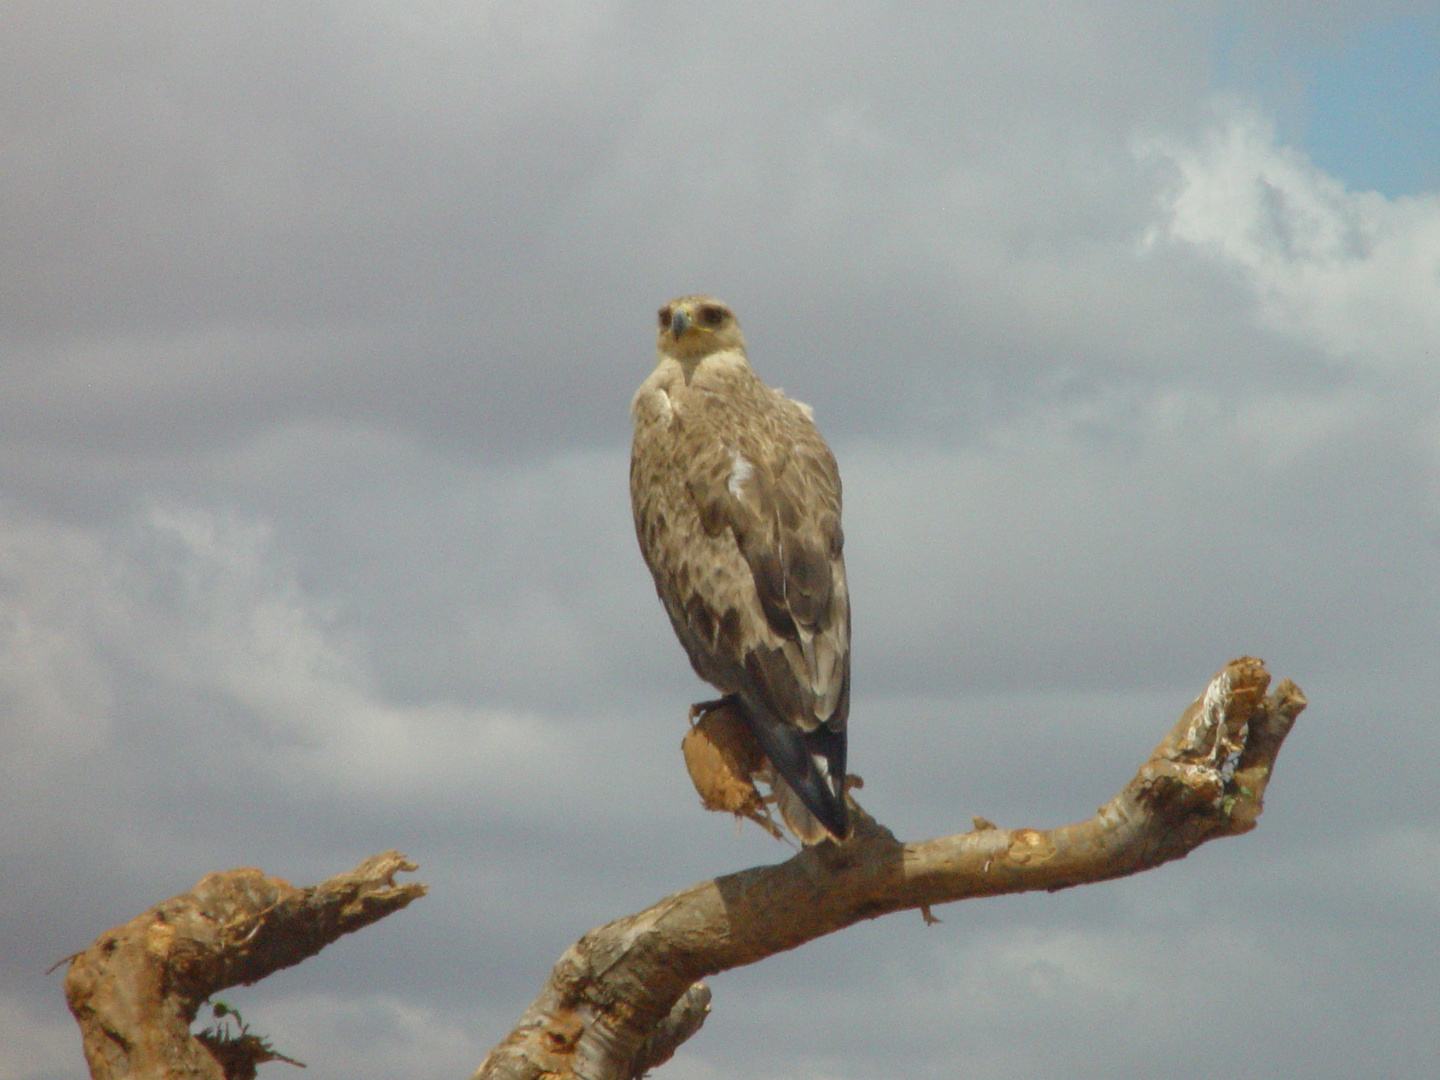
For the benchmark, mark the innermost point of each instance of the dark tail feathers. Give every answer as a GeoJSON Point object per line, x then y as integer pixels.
{"type": "Point", "coordinates": [793, 753]}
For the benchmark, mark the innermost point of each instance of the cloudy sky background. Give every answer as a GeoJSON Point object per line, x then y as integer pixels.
{"type": "Point", "coordinates": [318, 329]}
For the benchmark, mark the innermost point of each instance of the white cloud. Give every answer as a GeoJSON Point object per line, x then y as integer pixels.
{"type": "Point", "coordinates": [1352, 272]}
{"type": "Point", "coordinates": [242, 628]}
{"type": "Point", "coordinates": [201, 606]}
{"type": "Point", "coordinates": [60, 600]}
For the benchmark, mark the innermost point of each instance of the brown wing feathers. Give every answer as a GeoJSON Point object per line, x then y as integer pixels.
{"type": "Point", "coordinates": [737, 507]}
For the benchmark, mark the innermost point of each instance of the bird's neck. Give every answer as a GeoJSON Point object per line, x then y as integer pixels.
{"type": "Point", "coordinates": [726, 363]}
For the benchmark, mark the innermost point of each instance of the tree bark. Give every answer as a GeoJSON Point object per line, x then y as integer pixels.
{"type": "Point", "coordinates": [136, 990]}
{"type": "Point", "coordinates": [622, 982]}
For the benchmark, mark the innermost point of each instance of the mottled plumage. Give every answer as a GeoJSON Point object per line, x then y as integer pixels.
{"type": "Point", "coordinates": [737, 509]}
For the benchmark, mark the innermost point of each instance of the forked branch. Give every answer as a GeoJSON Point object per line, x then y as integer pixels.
{"type": "Point", "coordinates": [618, 986]}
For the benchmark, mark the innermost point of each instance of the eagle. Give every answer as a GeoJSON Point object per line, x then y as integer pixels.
{"type": "Point", "coordinates": [737, 509]}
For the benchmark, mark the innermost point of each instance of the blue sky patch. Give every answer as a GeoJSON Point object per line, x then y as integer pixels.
{"type": "Point", "coordinates": [1365, 109]}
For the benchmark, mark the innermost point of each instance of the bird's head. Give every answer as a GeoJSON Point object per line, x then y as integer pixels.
{"type": "Point", "coordinates": [693, 327]}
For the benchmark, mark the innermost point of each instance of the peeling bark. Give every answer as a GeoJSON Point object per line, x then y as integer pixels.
{"type": "Point", "coordinates": [621, 982]}
{"type": "Point", "coordinates": [136, 990]}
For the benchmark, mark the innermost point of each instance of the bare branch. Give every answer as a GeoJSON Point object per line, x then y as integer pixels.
{"type": "Point", "coordinates": [625, 996]}
{"type": "Point", "coordinates": [137, 989]}
{"type": "Point", "coordinates": [620, 983]}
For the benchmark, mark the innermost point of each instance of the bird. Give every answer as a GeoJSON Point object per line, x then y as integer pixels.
{"type": "Point", "coordinates": [737, 502]}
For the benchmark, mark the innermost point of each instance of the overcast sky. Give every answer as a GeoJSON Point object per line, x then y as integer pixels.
{"type": "Point", "coordinates": [318, 329]}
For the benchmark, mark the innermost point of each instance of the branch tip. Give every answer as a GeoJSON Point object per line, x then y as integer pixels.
{"type": "Point", "coordinates": [135, 991]}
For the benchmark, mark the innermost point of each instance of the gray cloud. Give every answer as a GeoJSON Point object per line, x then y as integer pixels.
{"type": "Point", "coordinates": [317, 335]}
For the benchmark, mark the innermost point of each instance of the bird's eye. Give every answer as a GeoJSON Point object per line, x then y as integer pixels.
{"type": "Point", "coordinates": [665, 317]}
{"type": "Point", "coordinates": [711, 315]}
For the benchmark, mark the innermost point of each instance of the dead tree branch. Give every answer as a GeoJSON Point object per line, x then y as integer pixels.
{"type": "Point", "coordinates": [136, 990]}
{"type": "Point", "coordinates": [625, 996]}
{"type": "Point", "coordinates": [619, 997]}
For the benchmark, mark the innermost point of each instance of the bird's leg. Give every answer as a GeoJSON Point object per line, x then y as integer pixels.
{"type": "Point", "coordinates": [700, 708]}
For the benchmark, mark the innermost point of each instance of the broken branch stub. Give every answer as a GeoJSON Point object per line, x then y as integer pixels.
{"type": "Point", "coordinates": [137, 989]}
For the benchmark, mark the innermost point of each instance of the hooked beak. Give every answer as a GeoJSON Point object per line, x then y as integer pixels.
{"type": "Point", "coordinates": [680, 322]}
